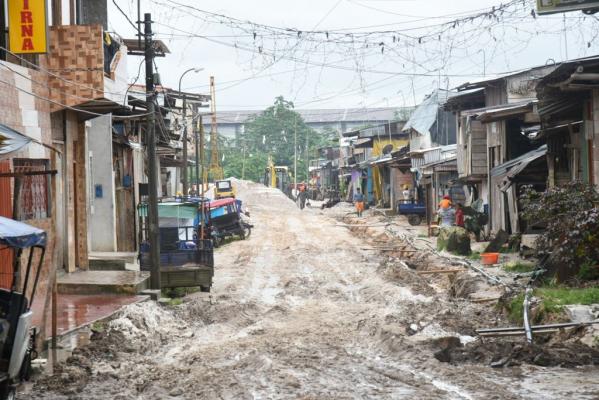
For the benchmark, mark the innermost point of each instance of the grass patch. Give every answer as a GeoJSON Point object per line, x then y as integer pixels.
{"type": "Point", "coordinates": [175, 293]}
{"type": "Point", "coordinates": [552, 301]}
{"type": "Point", "coordinates": [175, 302]}
{"type": "Point", "coordinates": [519, 267]}
{"type": "Point", "coordinates": [98, 326]}
{"type": "Point", "coordinates": [475, 256]}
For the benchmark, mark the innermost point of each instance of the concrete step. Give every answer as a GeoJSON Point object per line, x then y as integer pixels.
{"type": "Point", "coordinates": [104, 282]}
{"type": "Point", "coordinates": [117, 261]}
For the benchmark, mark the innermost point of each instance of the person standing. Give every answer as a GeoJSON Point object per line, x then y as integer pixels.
{"type": "Point", "coordinates": [302, 195]}
{"type": "Point", "coordinates": [359, 202]}
{"type": "Point", "coordinates": [406, 194]}
{"type": "Point", "coordinates": [459, 215]}
{"type": "Point", "coordinates": [445, 203]}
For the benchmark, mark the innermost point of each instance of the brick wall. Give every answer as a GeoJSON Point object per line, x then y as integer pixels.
{"type": "Point", "coordinates": [76, 54]}
{"type": "Point", "coordinates": [31, 116]}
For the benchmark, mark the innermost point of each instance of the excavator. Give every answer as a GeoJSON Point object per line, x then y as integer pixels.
{"type": "Point", "coordinates": [278, 177]}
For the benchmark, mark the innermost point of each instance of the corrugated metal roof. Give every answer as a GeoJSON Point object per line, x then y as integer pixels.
{"type": "Point", "coordinates": [425, 116]}
{"type": "Point", "coordinates": [517, 165]}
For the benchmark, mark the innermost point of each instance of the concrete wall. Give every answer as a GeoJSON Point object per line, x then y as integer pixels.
{"type": "Point", "coordinates": [102, 214]}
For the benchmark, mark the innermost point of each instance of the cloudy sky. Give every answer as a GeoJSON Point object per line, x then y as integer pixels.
{"type": "Point", "coordinates": [349, 53]}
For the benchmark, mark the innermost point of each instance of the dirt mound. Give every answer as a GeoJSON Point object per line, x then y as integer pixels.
{"type": "Point", "coordinates": [503, 353]}
{"type": "Point", "coordinates": [74, 374]}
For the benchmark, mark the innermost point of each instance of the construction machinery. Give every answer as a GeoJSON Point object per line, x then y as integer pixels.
{"type": "Point", "coordinates": [278, 177]}
{"type": "Point", "coordinates": [223, 189]}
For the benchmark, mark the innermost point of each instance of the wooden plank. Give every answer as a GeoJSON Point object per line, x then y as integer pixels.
{"type": "Point", "coordinates": [28, 173]}
{"type": "Point", "coordinates": [441, 271]}
{"type": "Point", "coordinates": [485, 300]}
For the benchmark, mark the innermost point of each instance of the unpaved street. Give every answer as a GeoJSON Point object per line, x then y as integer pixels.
{"type": "Point", "coordinates": [299, 311]}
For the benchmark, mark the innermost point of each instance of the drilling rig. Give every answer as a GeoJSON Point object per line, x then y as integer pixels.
{"type": "Point", "coordinates": [215, 170]}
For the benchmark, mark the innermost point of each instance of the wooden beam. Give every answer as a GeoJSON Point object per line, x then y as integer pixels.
{"type": "Point", "coordinates": [30, 173]}
{"type": "Point", "coordinates": [56, 12]}
{"type": "Point", "coordinates": [441, 271]}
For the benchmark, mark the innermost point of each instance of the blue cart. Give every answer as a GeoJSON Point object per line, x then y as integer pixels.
{"type": "Point", "coordinates": [415, 212]}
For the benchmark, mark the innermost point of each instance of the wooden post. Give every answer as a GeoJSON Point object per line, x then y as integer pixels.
{"type": "Point", "coordinates": [56, 12]}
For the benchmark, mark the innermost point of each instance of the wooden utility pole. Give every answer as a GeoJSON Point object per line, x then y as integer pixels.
{"type": "Point", "coordinates": [295, 154]}
{"type": "Point", "coordinates": [154, 233]}
{"type": "Point", "coordinates": [216, 170]}
{"type": "Point", "coordinates": [198, 118]}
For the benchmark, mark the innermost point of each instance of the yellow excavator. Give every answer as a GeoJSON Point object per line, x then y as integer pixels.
{"type": "Point", "coordinates": [277, 176]}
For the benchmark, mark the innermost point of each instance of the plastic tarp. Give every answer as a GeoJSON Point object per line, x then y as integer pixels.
{"type": "Point", "coordinates": [172, 210]}
{"type": "Point", "coordinates": [18, 234]}
{"type": "Point", "coordinates": [429, 119]}
{"type": "Point", "coordinates": [11, 140]}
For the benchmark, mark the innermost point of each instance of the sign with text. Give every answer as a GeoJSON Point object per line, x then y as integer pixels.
{"type": "Point", "coordinates": [557, 6]}
{"type": "Point", "coordinates": [27, 26]}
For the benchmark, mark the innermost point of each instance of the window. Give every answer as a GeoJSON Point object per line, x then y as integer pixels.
{"type": "Point", "coordinates": [34, 191]}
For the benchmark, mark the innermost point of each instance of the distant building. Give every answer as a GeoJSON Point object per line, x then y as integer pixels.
{"type": "Point", "coordinates": [232, 123]}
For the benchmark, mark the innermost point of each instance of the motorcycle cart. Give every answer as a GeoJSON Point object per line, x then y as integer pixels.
{"type": "Point", "coordinates": [226, 221]}
{"type": "Point", "coordinates": [17, 336]}
{"type": "Point", "coordinates": [415, 212]}
{"type": "Point", "coordinates": [186, 260]}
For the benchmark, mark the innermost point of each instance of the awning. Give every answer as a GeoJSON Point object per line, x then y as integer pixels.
{"type": "Point", "coordinates": [505, 111]}
{"type": "Point", "coordinates": [363, 143]}
{"type": "Point", "coordinates": [11, 140]}
{"type": "Point", "coordinates": [381, 161]}
{"type": "Point", "coordinates": [514, 167]}
{"type": "Point", "coordinates": [171, 210]}
{"type": "Point", "coordinates": [447, 165]}
{"type": "Point", "coordinates": [18, 234]}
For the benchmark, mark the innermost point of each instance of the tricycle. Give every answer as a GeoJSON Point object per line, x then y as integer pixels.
{"type": "Point", "coordinates": [186, 259]}
{"type": "Point", "coordinates": [17, 335]}
{"type": "Point", "coordinates": [226, 220]}
{"type": "Point", "coordinates": [414, 211]}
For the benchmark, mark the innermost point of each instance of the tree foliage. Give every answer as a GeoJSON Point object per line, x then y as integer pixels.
{"type": "Point", "coordinates": [272, 133]}
{"type": "Point", "coordinates": [571, 217]}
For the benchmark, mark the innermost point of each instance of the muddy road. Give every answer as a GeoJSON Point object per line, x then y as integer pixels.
{"type": "Point", "coordinates": [300, 310]}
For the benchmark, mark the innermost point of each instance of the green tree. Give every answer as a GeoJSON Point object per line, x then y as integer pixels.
{"type": "Point", "coordinates": [272, 133]}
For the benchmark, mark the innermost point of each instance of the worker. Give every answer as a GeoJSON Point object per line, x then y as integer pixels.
{"type": "Point", "coordinates": [445, 203]}
{"type": "Point", "coordinates": [447, 216]}
{"type": "Point", "coordinates": [303, 194]}
{"type": "Point", "coordinates": [406, 193]}
{"type": "Point", "coordinates": [459, 215]}
{"type": "Point", "coordinates": [359, 202]}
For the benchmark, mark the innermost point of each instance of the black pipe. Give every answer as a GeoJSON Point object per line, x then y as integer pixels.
{"type": "Point", "coordinates": [37, 275]}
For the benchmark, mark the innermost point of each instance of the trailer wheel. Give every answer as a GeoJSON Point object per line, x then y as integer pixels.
{"type": "Point", "coordinates": [247, 231]}
{"type": "Point", "coordinates": [8, 392]}
{"type": "Point", "coordinates": [414, 219]}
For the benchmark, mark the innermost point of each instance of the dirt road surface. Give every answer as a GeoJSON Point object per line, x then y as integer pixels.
{"type": "Point", "coordinates": [298, 311]}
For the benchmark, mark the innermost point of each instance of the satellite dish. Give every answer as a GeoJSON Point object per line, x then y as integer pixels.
{"type": "Point", "coordinates": [388, 149]}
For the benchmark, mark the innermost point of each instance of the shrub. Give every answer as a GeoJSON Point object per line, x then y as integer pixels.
{"type": "Point", "coordinates": [571, 218]}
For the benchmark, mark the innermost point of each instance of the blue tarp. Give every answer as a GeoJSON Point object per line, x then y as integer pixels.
{"type": "Point", "coordinates": [20, 235]}
{"type": "Point", "coordinates": [11, 140]}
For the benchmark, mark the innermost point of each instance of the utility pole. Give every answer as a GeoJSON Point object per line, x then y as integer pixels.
{"type": "Point", "coordinates": [185, 167]}
{"type": "Point", "coordinates": [197, 167]}
{"type": "Point", "coordinates": [185, 161]}
{"type": "Point", "coordinates": [295, 154]}
{"type": "Point", "coordinates": [153, 231]}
